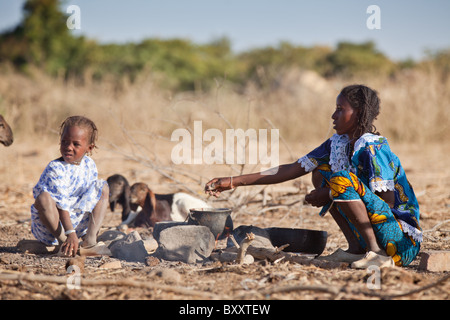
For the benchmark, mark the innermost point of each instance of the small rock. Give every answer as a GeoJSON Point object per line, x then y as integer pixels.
{"type": "Point", "coordinates": [116, 264]}
{"type": "Point", "coordinates": [78, 262]}
{"type": "Point", "coordinates": [34, 247]}
{"type": "Point", "coordinates": [435, 260]}
{"type": "Point", "coordinates": [109, 237]}
{"type": "Point", "coordinates": [228, 256]}
{"type": "Point", "coordinates": [248, 259]}
{"type": "Point", "coordinates": [150, 245]}
{"type": "Point", "coordinates": [152, 261]}
{"type": "Point", "coordinates": [168, 275]}
{"type": "Point", "coordinates": [131, 248]}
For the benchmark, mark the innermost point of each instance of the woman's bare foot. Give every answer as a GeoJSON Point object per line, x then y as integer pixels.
{"type": "Point", "coordinates": [342, 256]}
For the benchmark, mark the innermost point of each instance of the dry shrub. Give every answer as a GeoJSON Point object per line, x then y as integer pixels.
{"type": "Point", "coordinates": [299, 104]}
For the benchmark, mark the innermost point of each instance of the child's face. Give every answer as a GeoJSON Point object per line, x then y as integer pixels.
{"type": "Point", "coordinates": [345, 117]}
{"type": "Point", "coordinates": [75, 144]}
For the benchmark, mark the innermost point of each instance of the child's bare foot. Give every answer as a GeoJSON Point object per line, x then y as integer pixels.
{"type": "Point", "coordinates": [98, 249]}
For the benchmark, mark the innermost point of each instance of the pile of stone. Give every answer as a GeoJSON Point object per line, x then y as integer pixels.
{"type": "Point", "coordinates": [172, 241]}
{"type": "Point", "coordinates": [175, 241]}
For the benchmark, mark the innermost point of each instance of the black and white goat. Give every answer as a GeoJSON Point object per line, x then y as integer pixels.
{"type": "Point", "coordinates": [161, 207]}
{"type": "Point", "coordinates": [142, 207]}
{"type": "Point", "coordinates": [119, 193]}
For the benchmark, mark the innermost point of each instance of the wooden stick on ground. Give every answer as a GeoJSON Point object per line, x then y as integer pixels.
{"type": "Point", "coordinates": [107, 282]}
{"type": "Point", "coordinates": [244, 246]}
{"type": "Point", "coordinates": [235, 242]}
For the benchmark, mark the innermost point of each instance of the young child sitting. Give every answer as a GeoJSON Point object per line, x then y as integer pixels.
{"type": "Point", "coordinates": [359, 180]}
{"type": "Point", "coordinates": [70, 200]}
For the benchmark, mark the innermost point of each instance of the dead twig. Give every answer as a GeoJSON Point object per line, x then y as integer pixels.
{"type": "Point", "coordinates": [4, 276]}
{"type": "Point", "coordinates": [282, 140]}
{"type": "Point", "coordinates": [284, 246]}
{"type": "Point", "coordinates": [335, 290]}
{"type": "Point", "coordinates": [234, 241]}
{"type": "Point", "coordinates": [408, 293]}
{"type": "Point", "coordinates": [290, 288]}
{"type": "Point", "coordinates": [243, 247]}
{"type": "Point", "coordinates": [437, 226]}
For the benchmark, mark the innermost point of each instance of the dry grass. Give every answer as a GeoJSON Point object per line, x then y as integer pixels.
{"type": "Point", "coordinates": [138, 119]}
{"type": "Point", "coordinates": [414, 106]}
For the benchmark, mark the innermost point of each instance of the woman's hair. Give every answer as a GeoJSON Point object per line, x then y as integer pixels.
{"type": "Point", "coordinates": [366, 101]}
{"type": "Point", "coordinates": [83, 122]}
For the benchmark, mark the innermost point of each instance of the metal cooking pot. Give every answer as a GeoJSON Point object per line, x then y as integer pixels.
{"type": "Point", "coordinates": [217, 220]}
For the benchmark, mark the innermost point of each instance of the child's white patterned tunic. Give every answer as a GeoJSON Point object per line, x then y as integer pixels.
{"type": "Point", "coordinates": [75, 188]}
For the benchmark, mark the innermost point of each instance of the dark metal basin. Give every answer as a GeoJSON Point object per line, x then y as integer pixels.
{"type": "Point", "coordinates": [299, 240]}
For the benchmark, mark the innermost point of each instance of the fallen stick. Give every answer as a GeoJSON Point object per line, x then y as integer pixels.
{"type": "Point", "coordinates": [436, 226]}
{"type": "Point", "coordinates": [273, 255]}
{"type": "Point", "coordinates": [410, 292]}
{"type": "Point", "coordinates": [106, 282]}
{"type": "Point", "coordinates": [244, 247]}
{"type": "Point", "coordinates": [290, 288]}
{"type": "Point", "coordinates": [234, 242]}
{"type": "Point", "coordinates": [284, 246]}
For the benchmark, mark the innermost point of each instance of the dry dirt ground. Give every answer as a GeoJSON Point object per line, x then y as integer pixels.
{"type": "Point", "coordinates": [40, 276]}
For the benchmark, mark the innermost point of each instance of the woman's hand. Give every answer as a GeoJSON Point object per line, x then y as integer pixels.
{"type": "Point", "coordinates": [218, 185]}
{"type": "Point", "coordinates": [318, 197]}
{"type": "Point", "coordinates": [70, 246]}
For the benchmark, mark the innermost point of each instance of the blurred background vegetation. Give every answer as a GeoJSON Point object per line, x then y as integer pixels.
{"type": "Point", "coordinates": [47, 73]}
{"type": "Point", "coordinates": [42, 39]}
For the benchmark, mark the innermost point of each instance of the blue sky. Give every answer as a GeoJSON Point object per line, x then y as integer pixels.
{"type": "Point", "coordinates": [408, 28]}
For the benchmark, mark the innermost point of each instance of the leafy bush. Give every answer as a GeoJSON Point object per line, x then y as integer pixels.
{"type": "Point", "coordinates": [42, 39]}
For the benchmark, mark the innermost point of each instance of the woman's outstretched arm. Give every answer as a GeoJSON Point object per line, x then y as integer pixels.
{"type": "Point", "coordinates": [275, 175]}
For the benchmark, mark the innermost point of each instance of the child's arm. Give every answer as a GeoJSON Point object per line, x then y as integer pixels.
{"type": "Point", "coordinates": [272, 176]}
{"type": "Point", "coordinates": [70, 246]}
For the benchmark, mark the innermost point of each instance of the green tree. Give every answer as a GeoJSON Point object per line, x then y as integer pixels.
{"type": "Point", "coordinates": [43, 39]}
{"type": "Point", "coordinates": [350, 59]}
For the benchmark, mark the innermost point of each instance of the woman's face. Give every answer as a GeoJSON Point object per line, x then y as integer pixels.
{"type": "Point", "coordinates": [345, 118]}
{"type": "Point", "coordinates": [74, 144]}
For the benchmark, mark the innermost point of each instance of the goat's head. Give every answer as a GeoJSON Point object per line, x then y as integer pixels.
{"type": "Point", "coordinates": [138, 193]}
{"type": "Point", "coordinates": [6, 134]}
{"type": "Point", "coordinates": [141, 195]}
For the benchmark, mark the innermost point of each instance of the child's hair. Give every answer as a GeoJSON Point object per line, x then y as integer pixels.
{"type": "Point", "coordinates": [367, 102]}
{"type": "Point", "coordinates": [80, 121]}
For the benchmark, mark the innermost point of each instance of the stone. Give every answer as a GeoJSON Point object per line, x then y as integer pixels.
{"type": "Point", "coordinates": [131, 248]}
{"type": "Point", "coordinates": [152, 261]}
{"type": "Point", "coordinates": [160, 226]}
{"type": "Point", "coordinates": [185, 243]}
{"type": "Point", "coordinates": [231, 256]}
{"type": "Point", "coordinates": [109, 237]}
{"type": "Point", "coordinates": [35, 247]}
{"type": "Point", "coordinates": [435, 260]}
{"type": "Point", "coordinates": [261, 240]}
{"type": "Point", "coordinates": [168, 275]}
{"type": "Point", "coordinates": [150, 245]}
{"type": "Point", "coordinates": [116, 264]}
{"type": "Point", "coordinates": [77, 264]}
